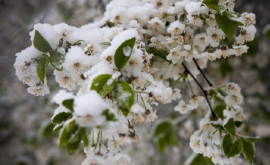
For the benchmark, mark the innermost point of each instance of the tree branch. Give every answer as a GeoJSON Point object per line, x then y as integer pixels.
{"type": "Point", "coordinates": [204, 92]}
{"type": "Point", "coordinates": [199, 68]}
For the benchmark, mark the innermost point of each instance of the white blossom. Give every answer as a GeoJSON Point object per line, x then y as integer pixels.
{"type": "Point", "coordinates": [183, 108]}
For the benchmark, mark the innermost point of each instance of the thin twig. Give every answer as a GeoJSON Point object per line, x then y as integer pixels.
{"type": "Point", "coordinates": [203, 90]}
{"type": "Point", "coordinates": [141, 92]}
{"type": "Point", "coordinates": [199, 68]}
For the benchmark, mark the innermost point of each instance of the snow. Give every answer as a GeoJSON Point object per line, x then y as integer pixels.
{"type": "Point", "coordinates": [127, 50]}
{"type": "Point", "coordinates": [48, 32]}
{"type": "Point", "coordinates": [26, 55]}
{"type": "Point", "coordinates": [61, 96]}
{"type": "Point", "coordinates": [123, 36]}
{"type": "Point", "coordinates": [89, 104]}
{"type": "Point", "coordinates": [193, 8]}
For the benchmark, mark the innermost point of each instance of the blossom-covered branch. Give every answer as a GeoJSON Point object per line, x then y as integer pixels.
{"type": "Point", "coordinates": [121, 73]}
{"type": "Point", "coordinates": [203, 91]}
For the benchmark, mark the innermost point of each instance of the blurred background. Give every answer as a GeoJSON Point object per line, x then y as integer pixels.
{"type": "Point", "coordinates": [25, 127]}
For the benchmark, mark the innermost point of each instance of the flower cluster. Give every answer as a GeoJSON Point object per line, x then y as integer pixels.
{"type": "Point", "coordinates": [125, 65]}
{"type": "Point", "coordinates": [208, 139]}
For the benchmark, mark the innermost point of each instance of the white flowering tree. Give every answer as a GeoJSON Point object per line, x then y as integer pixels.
{"type": "Point", "coordinates": [143, 53]}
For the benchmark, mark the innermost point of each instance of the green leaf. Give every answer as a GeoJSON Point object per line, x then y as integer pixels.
{"type": "Point", "coordinates": [251, 139]}
{"type": "Point", "coordinates": [127, 79]}
{"type": "Point", "coordinates": [85, 139]}
{"type": "Point", "coordinates": [48, 129]}
{"type": "Point", "coordinates": [218, 109]}
{"type": "Point", "coordinates": [123, 53]}
{"type": "Point", "coordinates": [172, 137]}
{"type": "Point", "coordinates": [182, 17]}
{"type": "Point", "coordinates": [68, 104]}
{"type": "Point", "coordinates": [201, 160]}
{"type": "Point", "coordinates": [66, 133]}
{"type": "Point", "coordinates": [248, 151]}
{"type": "Point", "coordinates": [159, 53]}
{"type": "Point", "coordinates": [40, 43]}
{"type": "Point", "coordinates": [72, 148]}
{"type": "Point", "coordinates": [162, 128]}
{"type": "Point", "coordinates": [217, 126]}
{"type": "Point", "coordinates": [123, 95]}
{"type": "Point", "coordinates": [77, 43]}
{"type": "Point", "coordinates": [109, 116]}
{"type": "Point", "coordinates": [77, 136]}
{"type": "Point", "coordinates": [235, 148]}
{"type": "Point", "coordinates": [42, 68]}
{"type": "Point", "coordinates": [60, 117]}
{"type": "Point", "coordinates": [237, 22]}
{"type": "Point", "coordinates": [68, 44]}
{"type": "Point", "coordinates": [220, 91]}
{"type": "Point", "coordinates": [75, 140]}
{"type": "Point", "coordinates": [101, 84]}
{"type": "Point", "coordinates": [56, 60]}
{"type": "Point", "coordinates": [161, 143]}
{"type": "Point", "coordinates": [226, 24]}
{"type": "Point", "coordinates": [226, 144]}
{"type": "Point", "coordinates": [45, 55]}
{"type": "Point", "coordinates": [60, 42]}
{"type": "Point", "coordinates": [74, 44]}
{"type": "Point", "coordinates": [238, 123]}
{"type": "Point", "coordinates": [212, 4]}
{"type": "Point", "coordinates": [230, 126]}
{"type": "Point", "coordinates": [57, 127]}
{"type": "Point", "coordinates": [110, 24]}
{"type": "Point", "coordinates": [166, 135]}
{"type": "Point", "coordinates": [225, 68]}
